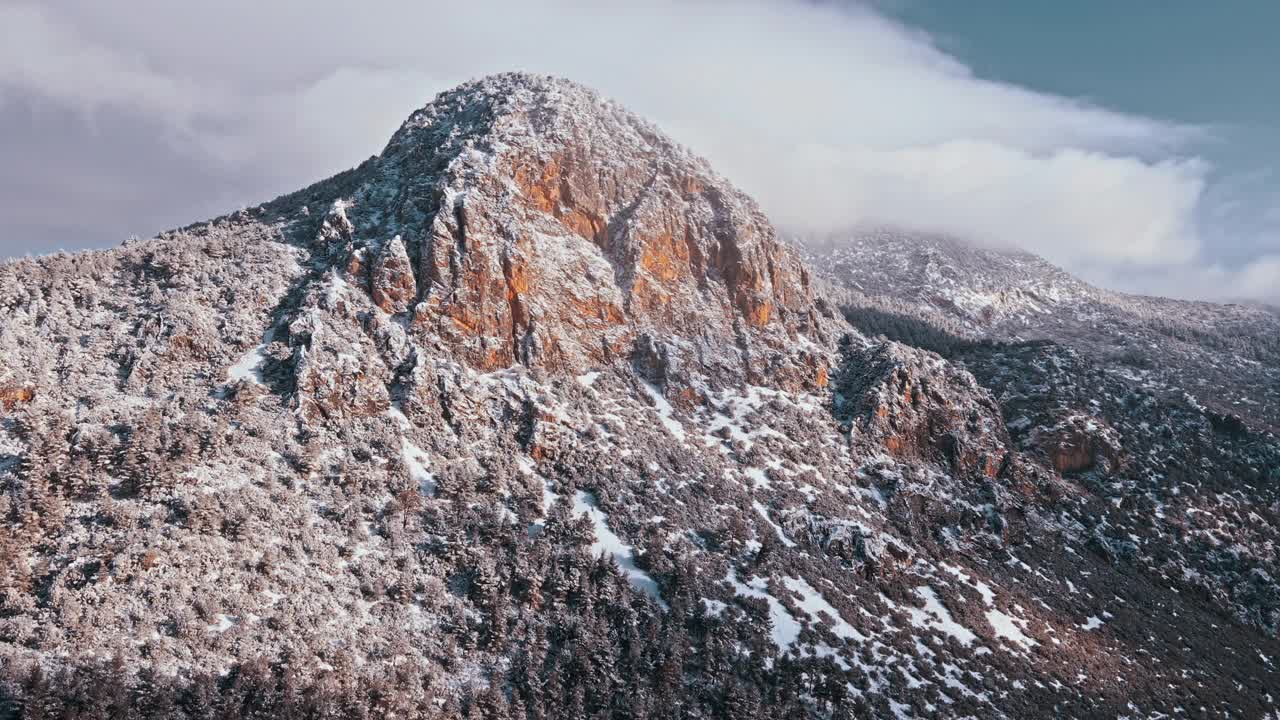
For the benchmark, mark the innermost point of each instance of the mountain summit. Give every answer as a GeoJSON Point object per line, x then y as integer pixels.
{"type": "Point", "coordinates": [543, 225]}
{"type": "Point", "coordinates": [533, 415]}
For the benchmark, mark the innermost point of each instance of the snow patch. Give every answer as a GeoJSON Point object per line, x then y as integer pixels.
{"type": "Point", "coordinates": [416, 460]}
{"type": "Point", "coordinates": [664, 410]}
{"type": "Point", "coordinates": [764, 513]}
{"type": "Point", "coordinates": [1006, 626]}
{"type": "Point", "coordinates": [608, 542]}
{"type": "Point", "coordinates": [714, 607]}
{"type": "Point", "coordinates": [935, 616]}
{"type": "Point", "coordinates": [758, 477]}
{"type": "Point", "coordinates": [782, 626]}
{"type": "Point", "coordinates": [397, 415]}
{"type": "Point", "coordinates": [988, 595]}
{"type": "Point", "coordinates": [223, 624]}
{"type": "Point", "coordinates": [814, 604]}
{"type": "Point", "coordinates": [249, 366]}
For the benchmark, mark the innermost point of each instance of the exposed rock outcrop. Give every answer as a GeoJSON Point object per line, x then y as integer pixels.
{"type": "Point", "coordinates": [11, 396]}
{"type": "Point", "coordinates": [916, 406]}
{"type": "Point", "coordinates": [394, 287]}
{"type": "Point", "coordinates": [1079, 444]}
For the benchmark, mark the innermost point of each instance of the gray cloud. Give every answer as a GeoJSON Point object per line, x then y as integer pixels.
{"type": "Point", "coordinates": [831, 116]}
{"type": "Point", "coordinates": [72, 181]}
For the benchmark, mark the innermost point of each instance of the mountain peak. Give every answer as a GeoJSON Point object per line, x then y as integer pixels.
{"type": "Point", "coordinates": [544, 225]}
{"type": "Point", "coordinates": [508, 94]}
{"type": "Point", "coordinates": [520, 110]}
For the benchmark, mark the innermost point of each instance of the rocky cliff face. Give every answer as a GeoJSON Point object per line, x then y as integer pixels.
{"type": "Point", "coordinates": [534, 415]}
{"type": "Point", "coordinates": [552, 229]}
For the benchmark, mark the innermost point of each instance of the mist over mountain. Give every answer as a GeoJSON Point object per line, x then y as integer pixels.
{"type": "Point", "coordinates": [536, 415]}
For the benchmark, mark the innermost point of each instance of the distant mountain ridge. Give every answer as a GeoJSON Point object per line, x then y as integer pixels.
{"type": "Point", "coordinates": [1204, 348]}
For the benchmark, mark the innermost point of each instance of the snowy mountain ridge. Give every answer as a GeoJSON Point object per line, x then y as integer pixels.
{"type": "Point", "coordinates": [1227, 355]}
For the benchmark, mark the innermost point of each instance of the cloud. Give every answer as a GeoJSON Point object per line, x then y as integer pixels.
{"type": "Point", "coordinates": [40, 54]}
{"type": "Point", "coordinates": [1075, 206]}
{"type": "Point", "coordinates": [1255, 280]}
{"type": "Point", "coordinates": [830, 115]}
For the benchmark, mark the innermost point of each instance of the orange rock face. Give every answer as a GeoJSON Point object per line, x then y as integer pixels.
{"type": "Point", "coordinates": [489, 284]}
{"type": "Point", "coordinates": [356, 267]}
{"type": "Point", "coordinates": [11, 396]}
{"type": "Point", "coordinates": [566, 228]}
{"type": "Point", "coordinates": [820, 379]}
{"type": "Point", "coordinates": [663, 259]}
{"type": "Point", "coordinates": [549, 190]}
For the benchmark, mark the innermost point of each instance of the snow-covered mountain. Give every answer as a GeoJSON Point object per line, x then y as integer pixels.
{"type": "Point", "coordinates": [1227, 356]}
{"type": "Point", "coordinates": [534, 415]}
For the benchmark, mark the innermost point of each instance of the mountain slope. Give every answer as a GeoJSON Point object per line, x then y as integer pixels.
{"type": "Point", "coordinates": [534, 415]}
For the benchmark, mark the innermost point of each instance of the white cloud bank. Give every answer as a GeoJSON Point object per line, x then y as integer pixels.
{"type": "Point", "coordinates": [830, 116]}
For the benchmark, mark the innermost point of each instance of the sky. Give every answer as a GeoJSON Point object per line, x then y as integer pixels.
{"type": "Point", "coordinates": [1133, 144]}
